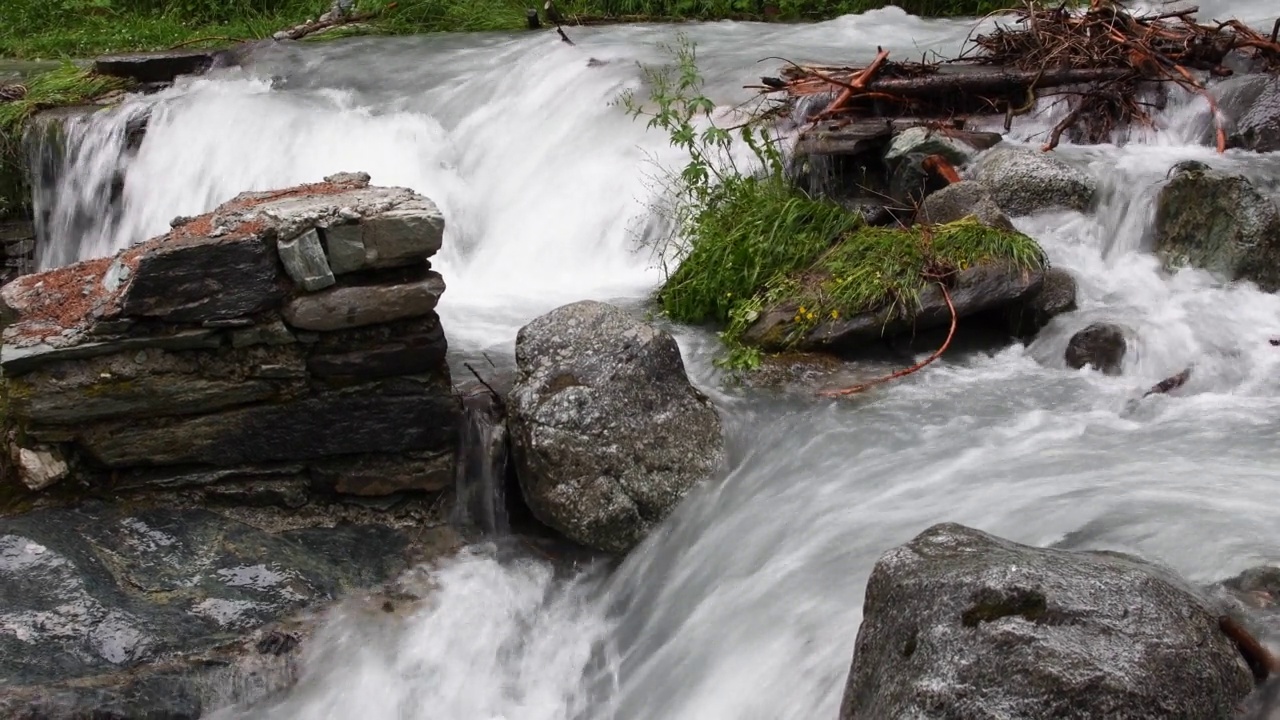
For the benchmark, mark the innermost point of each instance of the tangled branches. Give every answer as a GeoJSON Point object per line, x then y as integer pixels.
{"type": "Point", "coordinates": [1100, 61]}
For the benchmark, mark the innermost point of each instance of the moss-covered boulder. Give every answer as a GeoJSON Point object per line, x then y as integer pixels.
{"type": "Point", "coordinates": [877, 282]}
{"type": "Point", "coordinates": [1219, 222]}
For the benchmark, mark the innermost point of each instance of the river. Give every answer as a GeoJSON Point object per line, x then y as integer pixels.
{"type": "Point", "coordinates": [745, 604]}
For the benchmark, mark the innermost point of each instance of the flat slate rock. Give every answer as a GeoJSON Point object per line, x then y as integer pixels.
{"type": "Point", "coordinates": [161, 66]}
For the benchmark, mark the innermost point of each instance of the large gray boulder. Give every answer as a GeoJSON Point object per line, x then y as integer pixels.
{"type": "Point", "coordinates": [1251, 106]}
{"type": "Point", "coordinates": [1219, 222]}
{"type": "Point", "coordinates": [1025, 181]}
{"type": "Point", "coordinates": [960, 624]}
{"type": "Point", "coordinates": [607, 432]}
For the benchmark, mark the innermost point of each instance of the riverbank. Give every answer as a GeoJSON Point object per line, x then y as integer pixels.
{"type": "Point", "coordinates": [35, 29]}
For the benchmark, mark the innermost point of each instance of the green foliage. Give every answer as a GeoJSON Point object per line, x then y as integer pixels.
{"type": "Point", "coordinates": [78, 28]}
{"type": "Point", "coordinates": [747, 240]}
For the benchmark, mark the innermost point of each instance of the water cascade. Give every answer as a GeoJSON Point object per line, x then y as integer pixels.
{"type": "Point", "coordinates": [746, 603]}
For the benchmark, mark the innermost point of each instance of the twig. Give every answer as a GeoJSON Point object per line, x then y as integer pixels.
{"type": "Point", "coordinates": [1256, 656]}
{"type": "Point", "coordinates": [496, 396]}
{"type": "Point", "coordinates": [219, 38]}
{"type": "Point", "coordinates": [906, 371]}
{"type": "Point", "coordinates": [1275, 31]}
{"type": "Point", "coordinates": [1061, 127]}
{"type": "Point", "coordinates": [562, 35]}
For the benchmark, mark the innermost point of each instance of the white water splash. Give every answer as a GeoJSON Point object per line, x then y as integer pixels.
{"type": "Point", "coordinates": [745, 604]}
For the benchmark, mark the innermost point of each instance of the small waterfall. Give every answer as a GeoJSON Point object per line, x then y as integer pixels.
{"type": "Point", "coordinates": [483, 463]}
{"type": "Point", "coordinates": [78, 160]}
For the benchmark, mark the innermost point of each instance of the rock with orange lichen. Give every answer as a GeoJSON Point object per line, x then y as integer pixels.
{"type": "Point", "coordinates": [291, 326]}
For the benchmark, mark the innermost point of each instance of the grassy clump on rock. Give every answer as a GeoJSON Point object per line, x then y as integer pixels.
{"type": "Point", "coordinates": [62, 86]}
{"type": "Point", "coordinates": [748, 240]}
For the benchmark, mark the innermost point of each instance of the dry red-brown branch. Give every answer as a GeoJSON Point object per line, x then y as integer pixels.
{"type": "Point", "coordinates": [938, 165]}
{"type": "Point", "coordinates": [905, 371]}
{"type": "Point", "coordinates": [857, 84]}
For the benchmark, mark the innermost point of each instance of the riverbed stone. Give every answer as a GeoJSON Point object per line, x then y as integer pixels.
{"type": "Point", "coordinates": [303, 259]}
{"type": "Point", "coordinates": [1101, 346]}
{"type": "Point", "coordinates": [1057, 296]}
{"type": "Point", "coordinates": [1250, 104]}
{"type": "Point", "coordinates": [607, 432]}
{"type": "Point", "coordinates": [343, 307]}
{"type": "Point", "coordinates": [395, 417]}
{"type": "Point", "coordinates": [960, 200]}
{"type": "Point", "coordinates": [958, 623]}
{"type": "Point", "coordinates": [988, 286]}
{"type": "Point", "coordinates": [40, 467]}
{"type": "Point", "coordinates": [1218, 222]}
{"type": "Point", "coordinates": [161, 66]}
{"type": "Point", "coordinates": [416, 346]}
{"type": "Point", "coordinates": [1024, 181]}
{"type": "Point", "coordinates": [957, 147]}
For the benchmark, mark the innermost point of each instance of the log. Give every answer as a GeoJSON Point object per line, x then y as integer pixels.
{"type": "Point", "coordinates": [993, 82]}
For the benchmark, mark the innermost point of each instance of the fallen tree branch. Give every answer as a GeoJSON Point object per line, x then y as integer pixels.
{"type": "Point", "coordinates": [326, 22]}
{"type": "Point", "coordinates": [1169, 384]}
{"type": "Point", "coordinates": [905, 371]}
{"type": "Point", "coordinates": [1260, 660]}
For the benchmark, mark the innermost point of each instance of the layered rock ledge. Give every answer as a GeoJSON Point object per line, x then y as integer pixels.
{"type": "Point", "coordinates": [288, 338]}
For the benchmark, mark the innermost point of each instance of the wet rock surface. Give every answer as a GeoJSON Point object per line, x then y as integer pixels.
{"type": "Point", "coordinates": [161, 66]}
{"type": "Point", "coordinates": [607, 432]}
{"type": "Point", "coordinates": [229, 345]}
{"type": "Point", "coordinates": [1057, 296]}
{"type": "Point", "coordinates": [1218, 222]}
{"type": "Point", "coordinates": [1101, 346]}
{"type": "Point", "coordinates": [111, 612]}
{"type": "Point", "coordinates": [1025, 181]}
{"type": "Point", "coordinates": [961, 624]}
{"type": "Point", "coordinates": [1251, 105]}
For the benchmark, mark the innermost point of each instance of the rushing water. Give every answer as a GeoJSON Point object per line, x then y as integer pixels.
{"type": "Point", "coordinates": [745, 604]}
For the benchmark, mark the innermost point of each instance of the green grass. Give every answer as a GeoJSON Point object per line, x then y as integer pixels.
{"type": "Point", "coordinates": [66, 85]}
{"type": "Point", "coordinates": [80, 28]}
{"type": "Point", "coordinates": [761, 244]}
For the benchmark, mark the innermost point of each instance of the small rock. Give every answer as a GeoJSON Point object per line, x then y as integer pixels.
{"type": "Point", "coordinates": [1101, 346]}
{"type": "Point", "coordinates": [607, 432]}
{"type": "Point", "coordinates": [304, 261]}
{"type": "Point", "coordinates": [931, 141]}
{"type": "Point", "coordinates": [40, 468]}
{"type": "Point", "coordinates": [961, 624]}
{"type": "Point", "coordinates": [405, 235]}
{"type": "Point", "coordinates": [959, 200]}
{"type": "Point", "coordinates": [355, 179]}
{"type": "Point", "coordinates": [339, 308]}
{"type": "Point", "coordinates": [1219, 222]}
{"type": "Point", "coordinates": [1057, 296]}
{"type": "Point", "coordinates": [273, 333]}
{"type": "Point", "coordinates": [1025, 181]}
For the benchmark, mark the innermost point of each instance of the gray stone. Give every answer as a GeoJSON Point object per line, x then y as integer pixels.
{"type": "Point", "coordinates": [378, 476]}
{"type": "Point", "coordinates": [1101, 346]}
{"type": "Point", "coordinates": [1251, 106]}
{"type": "Point", "coordinates": [1218, 222]}
{"type": "Point", "coordinates": [403, 236]}
{"type": "Point", "coordinates": [339, 308]}
{"type": "Point", "coordinates": [304, 261]}
{"type": "Point", "coordinates": [40, 467]}
{"type": "Point", "coordinates": [932, 141]}
{"type": "Point", "coordinates": [1057, 296]}
{"type": "Point", "coordinates": [960, 624]}
{"type": "Point", "coordinates": [1025, 181]}
{"type": "Point", "coordinates": [607, 432]}
{"type": "Point", "coordinates": [272, 333]}
{"type": "Point", "coordinates": [157, 67]}
{"type": "Point", "coordinates": [18, 359]}
{"type": "Point", "coordinates": [392, 418]}
{"type": "Point", "coordinates": [117, 274]}
{"type": "Point", "coordinates": [408, 347]}
{"type": "Point", "coordinates": [192, 278]}
{"type": "Point", "coordinates": [980, 288]}
{"type": "Point", "coordinates": [117, 613]}
{"type": "Point", "coordinates": [960, 200]}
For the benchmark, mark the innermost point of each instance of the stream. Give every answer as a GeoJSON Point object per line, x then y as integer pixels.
{"type": "Point", "coordinates": [745, 604]}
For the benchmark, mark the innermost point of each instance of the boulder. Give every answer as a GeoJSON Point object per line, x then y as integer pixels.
{"type": "Point", "coordinates": [1101, 346]}
{"type": "Point", "coordinates": [226, 355]}
{"type": "Point", "coordinates": [959, 200]}
{"type": "Point", "coordinates": [607, 432]}
{"type": "Point", "coordinates": [984, 287]}
{"type": "Point", "coordinates": [960, 624]}
{"type": "Point", "coordinates": [1025, 181]}
{"type": "Point", "coordinates": [1218, 222]}
{"type": "Point", "coordinates": [1250, 104]}
{"type": "Point", "coordinates": [111, 612]}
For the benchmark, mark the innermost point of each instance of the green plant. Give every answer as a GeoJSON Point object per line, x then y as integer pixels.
{"type": "Point", "coordinates": [745, 240]}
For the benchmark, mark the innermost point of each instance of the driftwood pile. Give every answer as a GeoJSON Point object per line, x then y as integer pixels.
{"type": "Point", "coordinates": [1102, 61]}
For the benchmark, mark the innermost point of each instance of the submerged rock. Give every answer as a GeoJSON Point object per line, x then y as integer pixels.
{"type": "Point", "coordinates": [607, 432]}
{"type": "Point", "coordinates": [1100, 346]}
{"type": "Point", "coordinates": [1025, 181]}
{"type": "Point", "coordinates": [112, 610]}
{"type": "Point", "coordinates": [1219, 222]}
{"type": "Point", "coordinates": [960, 624]}
{"type": "Point", "coordinates": [1251, 106]}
